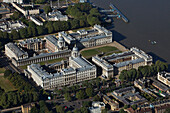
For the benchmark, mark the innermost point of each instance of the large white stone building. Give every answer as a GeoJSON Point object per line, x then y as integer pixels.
{"type": "Point", "coordinates": [13, 51]}
{"type": "Point", "coordinates": [11, 25]}
{"type": "Point", "coordinates": [88, 38]}
{"type": "Point", "coordinates": [55, 48]}
{"type": "Point", "coordinates": [11, 1]}
{"type": "Point", "coordinates": [115, 63]}
{"type": "Point", "coordinates": [164, 77]}
{"type": "Point", "coordinates": [78, 70]}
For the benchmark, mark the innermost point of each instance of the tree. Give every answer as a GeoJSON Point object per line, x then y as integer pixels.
{"type": "Point", "coordinates": [34, 110]}
{"type": "Point", "coordinates": [134, 107]}
{"type": "Point", "coordinates": [47, 9]}
{"type": "Point", "coordinates": [15, 34]}
{"type": "Point", "coordinates": [167, 110]}
{"type": "Point", "coordinates": [104, 111]}
{"type": "Point", "coordinates": [1, 91]}
{"type": "Point", "coordinates": [5, 35]}
{"type": "Point", "coordinates": [126, 106]}
{"type": "Point", "coordinates": [96, 98]}
{"type": "Point", "coordinates": [92, 20]}
{"type": "Point", "coordinates": [95, 11]}
{"type": "Point", "coordinates": [67, 97]}
{"type": "Point", "coordinates": [32, 24]}
{"type": "Point", "coordinates": [16, 15]}
{"type": "Point", "coordinates": [86, 103]}
{"type": "Point", "coordinates": [84, 110]}
{"type": "Point", "coordinates": [40, 1]}
{"type": "Point", "coordinates": [7, 73]}
{"type": "Point", "coordinates": [122, 111]}
{"type": "Point", "coordinates": [40, 30]}
{"type": "Point", "coordinates": [80, 94]}
{"type": "Point", "coordinates": [59, 109]}
{"type": "Point", "coordinates": [50, 28]}
{"type": "Point", "coordinates": [77, 111]}
{"type": "Point", "coordinates": [123, 75]}
{"type": "Point", "coordinates": [89, 92]}
{"type": "Point", "coordinates": [23, 33]}
{"type": "Point", "coordinates": [74, 24]}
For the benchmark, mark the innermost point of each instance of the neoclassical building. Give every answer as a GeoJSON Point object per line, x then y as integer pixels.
{"type": "Point", "coordinates": [76, 69]}
{"type": "Point", "coordinates": [55, 48]}
{"type": "Point", "coordinates": [164, 77]}
{"type": "Point", "coordinates": [88, 38]}
{"type": "Point", "coordinates": [115, 63]}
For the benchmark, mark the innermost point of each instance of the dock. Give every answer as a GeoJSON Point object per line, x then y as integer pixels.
{"type": "Point", "coordinates": [114, 8]}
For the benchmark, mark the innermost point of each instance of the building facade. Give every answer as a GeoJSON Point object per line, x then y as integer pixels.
{"type": "Point", "coordinates": [26, 12]}
{"type": "Point", "coordinates": [54, 48]}
{"type": "Point", "coordinates": [88, 38]}
{"type": "Point", "coordinates": [11, 25]}
{"type": "Point", "coordinates": [115, 63]}
{"type": "Point", "coordinates": [164, 77]}
{"type": "Point", "coordinates": [11, 1]}
{"type": "Point", "coordinates": [78, 70]}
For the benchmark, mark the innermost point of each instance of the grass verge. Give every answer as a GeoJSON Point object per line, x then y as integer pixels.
{"type": "Point", "coordinates": [6, 84]}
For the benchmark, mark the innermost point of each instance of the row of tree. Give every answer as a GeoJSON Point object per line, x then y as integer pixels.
{"type": "Point", "coordinates": [143, 71]}
{"type": "Point", "coordinates": [81, 94]}
{"type": "Point", "coordinates": [85, 13]}
{"type": "Point", "coordinates": [25, 91]}
{"type": "Point", "coordinates": [41, 108]}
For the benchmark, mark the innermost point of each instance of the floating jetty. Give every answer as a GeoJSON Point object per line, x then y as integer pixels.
{"type": "Point", "coordinates": [114, 8]}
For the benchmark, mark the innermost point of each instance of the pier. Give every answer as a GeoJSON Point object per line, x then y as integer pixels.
{"type": "Point", "coordinates": [114, 8]}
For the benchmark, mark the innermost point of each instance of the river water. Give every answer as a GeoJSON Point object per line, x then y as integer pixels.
{"type": "Point", "coordinates": [149, 20]}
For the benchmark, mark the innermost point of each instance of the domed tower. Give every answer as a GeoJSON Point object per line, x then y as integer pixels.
{"type": "Point", "coordinates": [61, 42]}
{"type": "Point", "coordinates": [75, 52]}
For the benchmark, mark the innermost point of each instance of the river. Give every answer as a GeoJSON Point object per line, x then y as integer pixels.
{"type": "Point", "coordinates": [149, 20]}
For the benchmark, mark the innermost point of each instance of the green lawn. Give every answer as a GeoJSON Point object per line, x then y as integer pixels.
{"type": "Point", "coordinates": [108, 50]}
{"type": "Point", "coordinates": [2, 70]}
{"type": "Point", "coordinates": [6, 84]}
{"type": "Point", "coordinates": [43, 63]}
{"type": "Point", "coordinates": [89, 53]}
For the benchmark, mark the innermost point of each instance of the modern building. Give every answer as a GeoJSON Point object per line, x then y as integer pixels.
{"type": "Point", "coordinates": [97, 107]}
{"type": "Point", "coordinates": [11, 25]}
{"type": "Point", "coordinates": [11, 1]}
{"type": "Point", "coordinates": [113, 103]}
{"type": "Point", "coordinates": [128, 96]}
{"type": "Point", "coordinates": [159, 85]}
{"type": "Point", "coordinates": [117, 62]}
{"type": "Point", "coordinates": [164, 77]}
{"type": "Point", "coordinates": [78, 70]}
{"type": "Point", "coordinates": [141, 83]}
{"type": "Point", "coordinates": [88, 38]}
{"type": "Point", "coordinates": [54, 48]}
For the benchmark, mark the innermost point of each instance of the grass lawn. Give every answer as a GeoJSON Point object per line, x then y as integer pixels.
{"type": "Point", "coordinates": [6, 84]}
{"type": "Point", "coordinates": [2, 70]}
{"type": "Point", "coordinates": [43, 63]}
{"type": "Point", "coordinates": [107, 49]}
{"type": "Point", "coordinates": [89, 53]}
